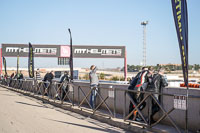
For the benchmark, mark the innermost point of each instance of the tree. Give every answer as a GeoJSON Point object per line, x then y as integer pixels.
{"type": "Point", "coordinates": [102, 76]}
{"type": "Point", "coordinates": [86, 76]}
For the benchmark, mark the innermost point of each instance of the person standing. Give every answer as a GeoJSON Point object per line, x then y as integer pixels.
{"type": "Point", "coordinates": [37, 75]}
{"type": "Point", "coordinates": [37, 81]}
{"type": "Point", "coordinates": [64, 80]}
{"type": "Point", "coordinates": [20, 77]}
{"type": "Point", "coordinates": [139, 83]}
{"type": "Point", "coordinates": [159, 82]}
{"type": "Point", "coordinates": [94, 81]}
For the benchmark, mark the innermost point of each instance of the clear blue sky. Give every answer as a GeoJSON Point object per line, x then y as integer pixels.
{"type": "Point", "coordinates": [101, 22]}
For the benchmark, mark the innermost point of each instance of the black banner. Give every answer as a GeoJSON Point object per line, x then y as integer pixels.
{"type": "Point", "coordinates": [31, 61]}
{"type": "Point", "coordinates": [71, 56]}
{"type": "Point", "coordinates": [179, 8]}
{"type": "Point", "coordinates": [4, 64]}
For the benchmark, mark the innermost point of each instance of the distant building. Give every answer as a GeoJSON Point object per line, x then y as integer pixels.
{"type": "Point", "coordinates": [169, 64]}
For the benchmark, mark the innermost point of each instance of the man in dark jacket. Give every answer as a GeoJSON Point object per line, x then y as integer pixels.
{"type": "Point", "coordinates": [64, 79]}
{"type": "Point", "coordinates": [159, 82]}
{"type": "Point", "coordinates": [48, 77]}
{"type": "Point", "coordinates": [48, 80]}
{"type": "Point", "coordinates": [139, 83]}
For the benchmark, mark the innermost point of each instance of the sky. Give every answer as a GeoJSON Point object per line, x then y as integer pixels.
{"type": "Point", "coordinates": [100, 22]}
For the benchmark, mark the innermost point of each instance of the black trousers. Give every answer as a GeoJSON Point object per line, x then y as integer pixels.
{"type": "Point", "coordinates": [137, 100]}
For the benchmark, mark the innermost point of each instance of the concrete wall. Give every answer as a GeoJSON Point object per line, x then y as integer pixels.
{"type": "Point", "coordinates": [178, 116]}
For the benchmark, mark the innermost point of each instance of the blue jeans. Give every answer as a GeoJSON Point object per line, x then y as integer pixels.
{"type": "Point", "coordinates": [93, 96]}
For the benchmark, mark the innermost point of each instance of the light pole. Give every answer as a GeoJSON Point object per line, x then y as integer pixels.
{"type": "Point", "coordinates": [144, 42]}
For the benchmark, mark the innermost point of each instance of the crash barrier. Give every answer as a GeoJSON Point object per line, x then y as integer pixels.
{"type": "Point", "coordinates": [113, 101]}
{"type": "Point", "coordinates": [191, 85]}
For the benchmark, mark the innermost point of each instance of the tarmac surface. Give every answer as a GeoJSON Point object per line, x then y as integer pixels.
{"type": "Point", "coordinates": [22, 114]}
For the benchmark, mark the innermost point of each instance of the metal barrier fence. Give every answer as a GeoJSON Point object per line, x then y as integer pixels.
{"type": "Point", "coordinates": [64, 93]}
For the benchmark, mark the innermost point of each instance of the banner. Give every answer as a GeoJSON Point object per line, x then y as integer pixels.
{"type": "Point", "coordinates": [40, 50]}
{"type": "Point", "coordinates": [31, 62]}
{"type": "Point", "coordinates": [71, 56]}
{"type": "Point", "coordinates": [4, 64]}
{"type": "Point", "coordinates": [179, 8]}
{"type": "Point", "coordinates": [78, 51]}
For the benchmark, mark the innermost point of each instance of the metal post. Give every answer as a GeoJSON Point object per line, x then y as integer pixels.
{"type": "Point", "coordinates": [1, 60]}
{"type": "Point", "coordinates": [78, 96]}
{"type": "Point", "coordinates": [114, 102]}
{"type": "Point", "coordinates": [124, 115]}
{"type": "Point", "coordinates": [186, 111]}
{"type": "Point", "coordinates": [73, 96]}
{"type": "Point", "coordinates": [150, 110]}
{"type": "Point", "coordinates": [125, 66]}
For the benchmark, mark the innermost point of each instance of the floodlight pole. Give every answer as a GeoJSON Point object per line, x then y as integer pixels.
{"type": "Point", "coordinates": [144, 42]}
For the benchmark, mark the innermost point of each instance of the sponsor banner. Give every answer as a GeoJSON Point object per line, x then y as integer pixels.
{"type": "Point", "coordinates": [179, 8]}
{"type": "Point", "coordinates": [10, 50]}
{"type": "Point", "coordinates": [98, 51]}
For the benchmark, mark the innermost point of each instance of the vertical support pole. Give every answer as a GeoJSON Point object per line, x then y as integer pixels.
{"type": "Point", "coordinates": [186, 111]}
{"type": "Point", "coordinates": [1, 60]}
{"type": "Point", "coordinates": [73, 96]}
{"type": "Point", "coordinates": [78, 95]}
{"type": "Point", "coordinates": [150, 110]}
{"type": "Point", "coordinates": [114, 102]}
{"type": "Point", "coordinates": [125, 66]}
{"type": "Point", "coordinates": [124, 114]}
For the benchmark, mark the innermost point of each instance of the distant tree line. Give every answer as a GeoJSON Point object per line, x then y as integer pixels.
{"type": "Point", "coordinates": [168, 67]}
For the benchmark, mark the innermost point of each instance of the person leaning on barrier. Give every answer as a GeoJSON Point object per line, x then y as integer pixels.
{"type": "Point", "coordinates": [11, 78]}
{"type": "Point", "coordinates": [64, 80]}
{"type": "Point", "coordinates": [132, 85]}
{"type": "Point", "coordinates": [94, 81]}
{"type": "Point", "coordinates": [139, 83]}
{"type": "Point", "coordinates": [20, 77]}
{"type": "Point", "coordinates": [15, 75]}
{"type": "Point", "coordinates": [48, 76]}
{"type": "Point", "coordinates": [48, 80]}
{"type": "Point", "coordinates": [159, 82]}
